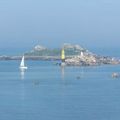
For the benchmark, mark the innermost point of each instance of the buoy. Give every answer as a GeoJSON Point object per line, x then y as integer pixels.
{"type": "Point", "coordinates": [78, 77]}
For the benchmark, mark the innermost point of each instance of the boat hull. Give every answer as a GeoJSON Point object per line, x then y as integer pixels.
{"type": "Point", "coordinates": [23, 67]}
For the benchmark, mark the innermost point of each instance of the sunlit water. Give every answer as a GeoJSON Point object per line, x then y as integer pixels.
{"type": "Point", "coordinates": [48, 92]}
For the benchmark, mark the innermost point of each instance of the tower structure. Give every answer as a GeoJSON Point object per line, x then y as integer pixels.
{"type": "Point", "coordinates": [62, 57]}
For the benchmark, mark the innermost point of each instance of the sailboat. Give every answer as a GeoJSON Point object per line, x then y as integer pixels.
{"type": "Point", "coordinates": [22, 64]}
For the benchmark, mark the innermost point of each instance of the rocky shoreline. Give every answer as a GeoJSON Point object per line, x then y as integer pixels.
{"type": "Point", "coordinates": [75, 55]}
{"type": "Point", "coordinates": [85, 60]}
{"type": "Point", "coordinates": [91, 61]}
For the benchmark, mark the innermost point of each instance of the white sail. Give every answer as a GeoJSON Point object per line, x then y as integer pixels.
{"type": "Point", "coordinates": [22, 64]}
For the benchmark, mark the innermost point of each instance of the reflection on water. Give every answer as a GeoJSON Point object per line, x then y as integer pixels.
{"type": "Point", "coordinates": [58, 93]}
{"type": "Point", "coordinates": [22, 73]}
{"type": "Point", "coordinates": [81, 73]}
{"type": "Point", "coordinates": [62, 72]}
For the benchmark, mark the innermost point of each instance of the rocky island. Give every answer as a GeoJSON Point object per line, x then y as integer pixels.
{"type": "Point", "coordinates": [75, 55]}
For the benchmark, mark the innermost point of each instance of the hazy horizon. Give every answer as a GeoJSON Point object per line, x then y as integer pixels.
{"type": "Point", "coordinates": [26, 23]}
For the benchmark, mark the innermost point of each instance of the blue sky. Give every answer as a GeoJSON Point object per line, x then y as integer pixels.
{"type": "Point", "coordinates": [91, 23]}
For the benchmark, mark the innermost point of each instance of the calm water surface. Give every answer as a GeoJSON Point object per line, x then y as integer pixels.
{"type": "Point", "coordinates": [48, 92]}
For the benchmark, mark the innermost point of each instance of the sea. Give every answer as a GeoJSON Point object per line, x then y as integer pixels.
{"type": "Point", "coordinates": [46, 91]}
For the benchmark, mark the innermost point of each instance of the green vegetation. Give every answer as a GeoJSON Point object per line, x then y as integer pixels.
{"type": "Point", "coordinates": [47, 52]}
{"type": "Point", "coordinates": [69, 50]}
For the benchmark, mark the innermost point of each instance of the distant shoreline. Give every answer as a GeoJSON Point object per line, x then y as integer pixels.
{"type": "Point", "coordinates": [30, 58]}
{"type": "Point", "coordinates": [70, 60]}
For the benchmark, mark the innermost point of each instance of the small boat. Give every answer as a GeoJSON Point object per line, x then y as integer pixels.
{"type": "Point", "coordinates": [22, 64]}
{"type": "Point", "coordinates": [115, 75]}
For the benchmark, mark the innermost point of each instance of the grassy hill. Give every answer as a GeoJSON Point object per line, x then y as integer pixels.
{"type": "Point", "coordinates": [43, 51]}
